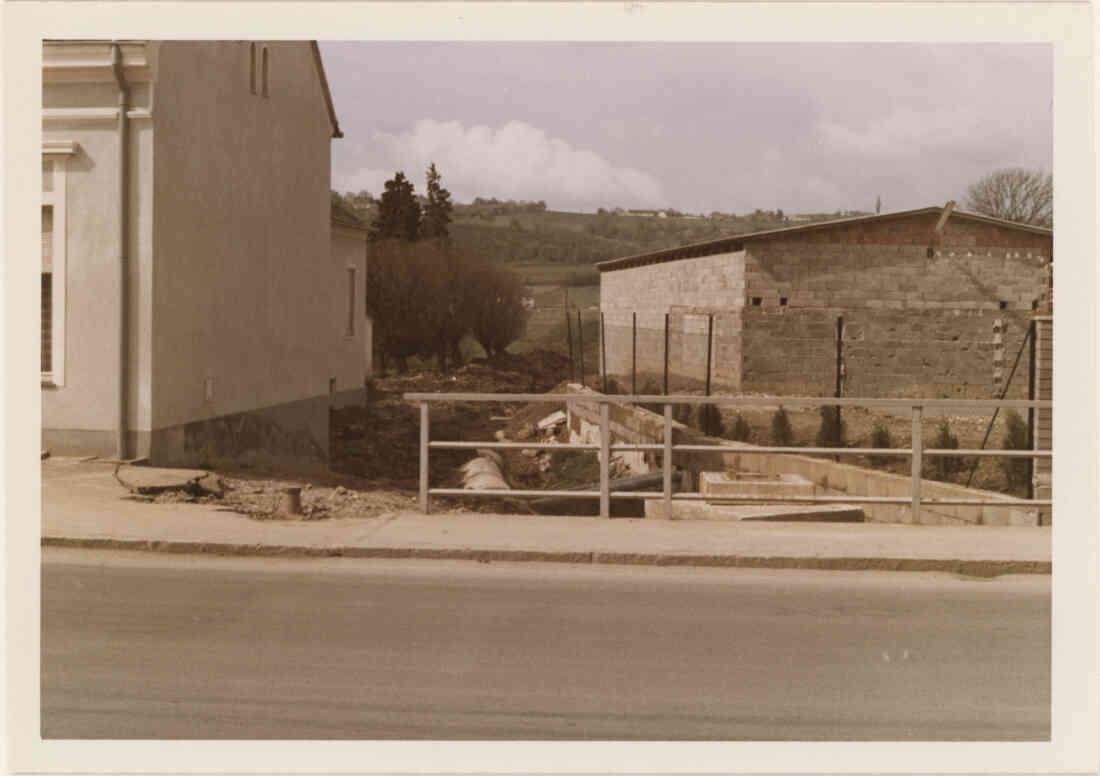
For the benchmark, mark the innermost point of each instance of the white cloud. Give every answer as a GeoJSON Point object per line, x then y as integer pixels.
{"type": "Point", "coordinates": [362, 179]}
{"type": "Point", "coordinates": [906, 133]}
{"type": "Point", "coordinates": [515, 161]}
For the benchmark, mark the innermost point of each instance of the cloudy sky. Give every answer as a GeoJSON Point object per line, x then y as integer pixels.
{"type": "Point", "coordinates": [695, 126]}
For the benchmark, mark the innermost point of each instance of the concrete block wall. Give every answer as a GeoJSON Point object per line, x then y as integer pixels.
{"type": "Point", "coordinates": [689, 291]}
{"type": "Point", "coordinates": [931, 352]}
{"type": "Point", "coordinates": [915, 325]}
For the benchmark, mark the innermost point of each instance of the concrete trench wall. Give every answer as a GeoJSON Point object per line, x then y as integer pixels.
{"type": "Point", "coordinates": [631, 424]}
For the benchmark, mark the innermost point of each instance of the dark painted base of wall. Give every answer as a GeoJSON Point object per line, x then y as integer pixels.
{"type": "Point", "coordinates": [88, 442]}
{"type": "Point", "coordinates": [291, 434]}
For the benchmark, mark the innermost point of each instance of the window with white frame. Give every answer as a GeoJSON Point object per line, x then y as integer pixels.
{"type": "Point", "coordinates": [52, 355]}
{"type": "Point", "coordinates": [350, 330]}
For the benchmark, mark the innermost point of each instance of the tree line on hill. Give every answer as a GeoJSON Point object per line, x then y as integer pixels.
{"type": "Point", "coordinates": [424, 293]}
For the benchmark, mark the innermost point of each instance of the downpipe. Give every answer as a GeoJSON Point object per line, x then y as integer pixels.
{"type": "Point", "coordinates": [122, 312]}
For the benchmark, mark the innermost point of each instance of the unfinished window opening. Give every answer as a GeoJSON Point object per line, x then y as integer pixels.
{"type": "Point", "coordinates": [1034, 304]}
{"type": "Point", "coordinates": [350, 330]}
{"type": "Point", "coordinates": [1004, 305]}
{"type": "Point", "coordinates": [265, 72]}
{"type": "Point", "coordinates": [931, 252]}
{"type": "Point", "coordinates": [756, 300]}
{"type": "Point", "coordinates": [252, 67]}
{"type": "Point", "coordinates": [782, 301]}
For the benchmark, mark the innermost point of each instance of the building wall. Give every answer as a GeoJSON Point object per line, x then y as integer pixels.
{"type": "Point", "coordinates": [689, 291]}
{"type": "Point", "coordinates": [243, 291]}
{"type": "Point", "coordinates": [352, 352]}
{"type": "Point", "coordinates": [80, 416]}
{"type": "Point", "coordinates": [913, 325]}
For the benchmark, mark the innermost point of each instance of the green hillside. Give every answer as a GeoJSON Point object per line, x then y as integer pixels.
{"type": "Point", "coordinates": [527, 233]}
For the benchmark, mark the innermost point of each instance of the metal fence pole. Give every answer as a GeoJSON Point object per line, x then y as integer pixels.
{"type": "Point", "coordinates": [569, 336]}
{"type": "Point", "coordinates": [705, 411]}
{"type": "Point", "coordinates": [634, 354]}
{"type": "Point", "coordinates": [605, 462]}
{"type": "Point", "coordinates": [917, 463]}
{"type": "Point", "coordinates": [580, 343]}
{"type": "Point", "coordinates": [667, 461]}
{"type": "Point", "coordinates": [603, 354]}
{"type": "Point", "coordinates": [424, 457]}
{"type": "Point", "coordinates": [666, 354]}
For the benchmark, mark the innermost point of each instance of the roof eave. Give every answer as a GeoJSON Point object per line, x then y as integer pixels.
{"type": "Point", "coordinates": [723, 244]}
{"type": "Point", "coordinates": [336, 133]}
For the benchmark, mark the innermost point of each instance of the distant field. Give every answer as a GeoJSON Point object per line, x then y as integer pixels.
{"type": "Point", "coordinates": [556, 274]}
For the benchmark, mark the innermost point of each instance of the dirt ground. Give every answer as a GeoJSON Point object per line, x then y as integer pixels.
{"type": "Point", "coordinates": [375, 445]}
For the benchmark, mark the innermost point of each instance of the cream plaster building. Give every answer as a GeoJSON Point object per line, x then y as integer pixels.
{"type": "Point", "coordinates": [200, 302]}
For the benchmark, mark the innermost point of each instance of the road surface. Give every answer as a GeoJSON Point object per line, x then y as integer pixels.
{"type": "Point", "coordinates": [138, 645]}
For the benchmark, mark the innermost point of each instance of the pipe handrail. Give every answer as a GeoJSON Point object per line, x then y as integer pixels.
{"type": "Point", "coordinates": [729, 401]}
{"type": "Point", "coordinates": [916, 451]}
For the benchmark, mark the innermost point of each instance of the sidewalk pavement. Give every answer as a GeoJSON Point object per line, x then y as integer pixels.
{"type": "Point", "coordinates": [84, 506]}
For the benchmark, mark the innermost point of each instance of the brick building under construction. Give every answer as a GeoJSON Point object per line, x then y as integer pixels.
{"type": "Point", "coordinates": [926, 303]}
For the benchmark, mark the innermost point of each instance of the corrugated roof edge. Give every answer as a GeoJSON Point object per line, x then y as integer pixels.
{"type": "Point", "coordinates": [736, 242]}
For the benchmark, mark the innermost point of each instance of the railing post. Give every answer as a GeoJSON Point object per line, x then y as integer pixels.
{"type": "Point", "coordinates": [668, 462]}
{"type": "Point", "coordinates": [605, 462]}
{"type": "Point", "coordinates": [917, 462]}
{"type": "Point", "coordinates": [424, 457]}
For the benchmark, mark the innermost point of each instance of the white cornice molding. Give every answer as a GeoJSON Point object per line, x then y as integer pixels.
{"type": "Point", "coordinates": [90, 115]}
{"type": "Point", "coordinates": [59, 147]}
{"type": "Point", "coordinates": [79, 115]}
{"type": "Point", "coordinates": [84, 62]}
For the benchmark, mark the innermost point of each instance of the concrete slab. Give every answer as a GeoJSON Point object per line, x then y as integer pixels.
{"type": "Point", "coordinates": [149, 480]}
{"type": "Point", "coordinates": [716, 485]}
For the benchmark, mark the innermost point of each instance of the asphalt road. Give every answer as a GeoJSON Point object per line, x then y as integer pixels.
{"type": "Point", "coordinates": [138, 645]}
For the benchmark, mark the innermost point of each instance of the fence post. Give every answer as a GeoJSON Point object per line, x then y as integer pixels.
{"type": "Point", "coordinates": [605, 459]}
{"type": "Point", "coordinates": [704, 410]}
{"type": "Point", "coordinates": [424, 457]}
{"type": "Point", "coordinates": [569, 336]}
{"type": "Point", "coordinates": [634, 354]}
{"type": "Point", "coordinates": [666, 354]}
{"type": "Point", "coordinates": [917, 462]}
{"type": "Point", "coordinates": [580, 342]}
{"type": "Point", "coordinates": [668, 462]}
{"type": "Point", "coordinates": [839, 367]}
{"type": "Point", "coordinates": [603, 355]}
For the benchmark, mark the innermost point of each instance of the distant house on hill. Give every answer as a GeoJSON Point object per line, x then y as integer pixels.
{"type": "Point", "coordinates": [201, 299]}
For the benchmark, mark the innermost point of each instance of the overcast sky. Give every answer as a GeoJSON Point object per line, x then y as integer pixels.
{"type": "Point", "coordinates": [695, 126]}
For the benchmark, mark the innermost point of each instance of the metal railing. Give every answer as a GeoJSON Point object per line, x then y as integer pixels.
{"type": "Point", "coordinates": [605, 448]}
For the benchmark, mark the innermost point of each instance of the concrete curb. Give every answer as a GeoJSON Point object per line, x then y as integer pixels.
{"type": "Point", "coordinates": [974, 568]}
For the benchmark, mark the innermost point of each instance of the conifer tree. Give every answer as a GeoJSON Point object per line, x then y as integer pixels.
{"type": "Point", "coordinates": [398, 211]}
{"type": "Point", "coordinates": [437, 213]}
